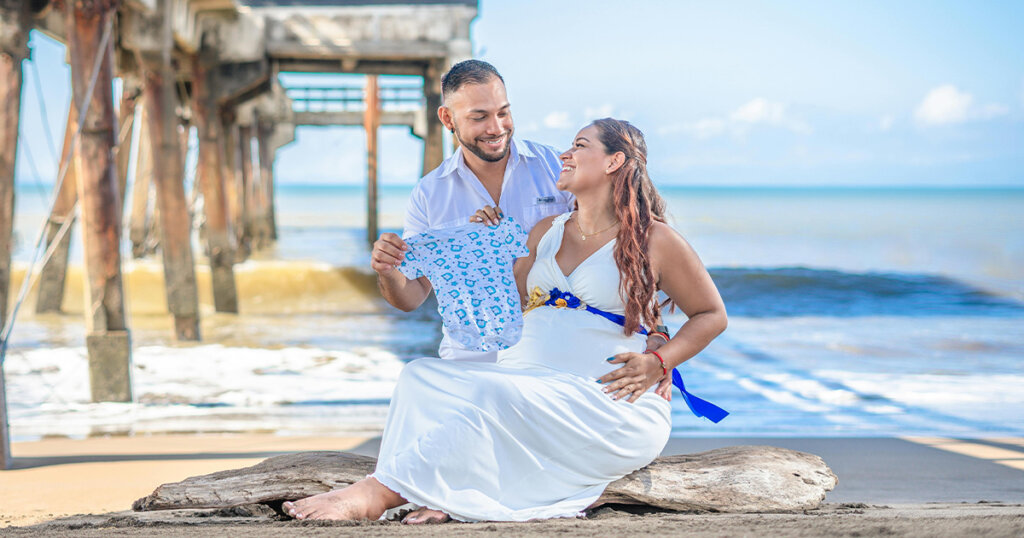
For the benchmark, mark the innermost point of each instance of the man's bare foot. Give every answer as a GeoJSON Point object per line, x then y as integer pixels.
{"type": "Point", "coordinates": [366, 499]}
{"type": "Point", "coordinates": [424, 516]}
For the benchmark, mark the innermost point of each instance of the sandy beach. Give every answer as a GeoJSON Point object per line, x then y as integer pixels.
{"type": "Point", "coordinates": [995, 520]}
{"type": "Point", "coordinates": [86, 487]}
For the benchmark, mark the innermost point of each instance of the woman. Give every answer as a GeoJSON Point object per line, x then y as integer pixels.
{"type": "Point", "coordinates": [534, 436]}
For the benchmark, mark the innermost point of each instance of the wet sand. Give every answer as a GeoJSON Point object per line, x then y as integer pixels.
{"type": "Point", "coordinates": [86, 487]}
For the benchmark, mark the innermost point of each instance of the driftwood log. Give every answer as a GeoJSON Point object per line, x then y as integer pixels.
{"type": "Point", "coordinates": [733, 479]}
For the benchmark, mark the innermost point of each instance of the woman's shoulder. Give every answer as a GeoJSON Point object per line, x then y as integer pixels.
{"type": "Point", "coordinates": [541, 228]}
{"type": "Point", "coordinates": [663, 239]}
{"type": "Point", "coordinates": [661, 232]}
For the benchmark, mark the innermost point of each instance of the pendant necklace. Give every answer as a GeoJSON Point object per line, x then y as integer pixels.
{"type": "Point", "coordinates": [584, 236]}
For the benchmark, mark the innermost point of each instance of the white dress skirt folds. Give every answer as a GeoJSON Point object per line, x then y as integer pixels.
{"type": "Point", "coordinates": [532, 436]}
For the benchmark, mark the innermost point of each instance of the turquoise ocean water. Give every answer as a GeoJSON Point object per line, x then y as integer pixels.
{"type": "Point", "coordinates": [852, 311]}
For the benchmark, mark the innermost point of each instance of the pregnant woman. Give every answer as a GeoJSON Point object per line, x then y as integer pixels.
{"type": "Point", "coordinates": [571, 407]}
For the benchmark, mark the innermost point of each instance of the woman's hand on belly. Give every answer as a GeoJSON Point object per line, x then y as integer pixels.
{"type": "Point", "coordinates": [638, 373]}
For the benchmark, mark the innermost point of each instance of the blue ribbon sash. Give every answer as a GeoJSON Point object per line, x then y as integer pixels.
{"type": "Point", "coordinates": [564, 299]}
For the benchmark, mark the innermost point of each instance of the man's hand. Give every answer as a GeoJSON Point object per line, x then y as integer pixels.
{"type": "Point", "coordinates": [388, 253]}
{"type": "Point", "coordinates": [639, 372]}
{"type": "Point", "coordinates": [488, 215]}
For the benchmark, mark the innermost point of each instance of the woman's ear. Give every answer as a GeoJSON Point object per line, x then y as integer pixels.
{"type": "Point", "coordinates": [615, 162]}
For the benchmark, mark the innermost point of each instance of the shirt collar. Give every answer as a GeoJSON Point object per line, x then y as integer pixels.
{"type": "Point", "coordinates": [516, 150]}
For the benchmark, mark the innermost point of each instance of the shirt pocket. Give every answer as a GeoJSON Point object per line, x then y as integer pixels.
{"type": "Point", "coordinates": [537, 211]}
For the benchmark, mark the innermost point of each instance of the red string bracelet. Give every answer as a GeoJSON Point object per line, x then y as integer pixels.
{"type": "Point", "coordinates": [664, 368]}
{"type": "Point", "coordinates": [661, 334]}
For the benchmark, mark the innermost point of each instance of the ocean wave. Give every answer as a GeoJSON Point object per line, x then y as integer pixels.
{"type": "Point", "coordinates": [802, 291]}
{"type": "Point", "coordinates": [205, 388]}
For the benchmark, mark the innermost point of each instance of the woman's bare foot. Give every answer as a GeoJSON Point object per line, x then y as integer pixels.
{"type": "Point", "coordinates": [366, 499]}
{"type": "Point", "coordinates": [423, 516]}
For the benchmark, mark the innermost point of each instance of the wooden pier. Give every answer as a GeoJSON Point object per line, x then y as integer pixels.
{"type": "Point", "coordinates": [212, 65]}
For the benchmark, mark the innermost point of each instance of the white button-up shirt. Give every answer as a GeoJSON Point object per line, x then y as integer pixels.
{"type": "Point", "coordinates": [451, 193]}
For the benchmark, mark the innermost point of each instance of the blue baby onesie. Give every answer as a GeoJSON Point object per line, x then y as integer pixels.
{"type": "Point", "coordinates": [470, 267]}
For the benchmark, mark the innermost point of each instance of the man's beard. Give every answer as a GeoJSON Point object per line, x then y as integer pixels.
{"type": "Point", "coordinates": [479, 151]}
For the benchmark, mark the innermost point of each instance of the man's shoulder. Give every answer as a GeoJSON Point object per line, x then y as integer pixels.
{"type": "Point", "coordinates": [446, 168]}
{"type": "Point", "coordinates": [432, 179]}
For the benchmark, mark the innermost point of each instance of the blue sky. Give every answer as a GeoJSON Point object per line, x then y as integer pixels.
{"type": "Point", "coordinates": [728, 93]}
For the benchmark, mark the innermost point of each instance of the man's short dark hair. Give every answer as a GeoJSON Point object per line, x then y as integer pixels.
{"type": "Point", "coordinates": [467, 72]}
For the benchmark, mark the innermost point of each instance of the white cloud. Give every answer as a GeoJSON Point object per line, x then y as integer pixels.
{"type": "Point", "coordinates": [993, 111]}
{"type": "Point", "coordinates": [759, 111]}
{"type": "Point", "coordinates": [701, 129]}
{"type": "Point", "coordinates": [885, 122]}
{"type": "Point", "coordinates": [944, 105]}
{"type": "Point", "coordinates": [947, 105]}
{"type": "Point", "coordinates": [606, 110]}
{"type": "Point", "coordinates": [557, 120]}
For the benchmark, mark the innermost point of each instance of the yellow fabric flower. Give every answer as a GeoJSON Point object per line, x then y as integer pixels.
{"type": "Point", "coordinates": [537, 298]}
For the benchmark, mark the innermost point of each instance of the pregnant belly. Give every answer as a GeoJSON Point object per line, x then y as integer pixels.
{"type": "Point", "coordinates": [572, 341]}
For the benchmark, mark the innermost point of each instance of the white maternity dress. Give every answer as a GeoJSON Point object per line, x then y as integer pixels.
{"type": "Point", "coordinates": [532, 436]}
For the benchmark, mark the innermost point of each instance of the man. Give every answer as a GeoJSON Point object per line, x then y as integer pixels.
{"type": "Point", "coordinates": [490, 170]}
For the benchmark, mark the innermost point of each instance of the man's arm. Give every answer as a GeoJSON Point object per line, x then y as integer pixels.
{"type": "Point", "coordinates": [389, 252]}
{"type": "Point", "coordinates": [402, 293]}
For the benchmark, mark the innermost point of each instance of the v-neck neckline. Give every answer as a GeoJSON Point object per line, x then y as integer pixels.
{"type": "Point", "coordinates": [554, 257]}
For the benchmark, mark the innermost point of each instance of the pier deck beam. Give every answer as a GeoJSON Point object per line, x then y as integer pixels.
{"type": "Point", "coordinates": [52, 276]}
{"type": "Point", "coordinates": [168, 176]}
{"type": "Point", "coordinates": [219, 242]}
{"type": "Point", "coordinates": [107, 338]}
{"type": "Point", "coordinates": [371, 121]}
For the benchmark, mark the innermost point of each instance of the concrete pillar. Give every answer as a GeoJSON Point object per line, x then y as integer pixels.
{"type": "Point", "coordinates": [50, 298]}
{"type": "Point", "coordinates": [269, 187]}
{"type": "Point", "coordinates": [220, 244]}
{"type": "Point", "coordinates": [266, 225]}
{"type": "Point", "coordinates": [371, 121]}
{"type": "Point", "coordinates": [5, 437]}
{"type": "Point", "coordinates": [107, 338]}
{"type": "Point", "coordinates": [140, 220]}
{"type": "Point", "coordinates": [230, 165]}
{"type": "Point", "coordinates": [130, 93]}
{"type": "Point", "coordinates": [168, 167]}
{"type": "Point", "coordinates": [433, 142]}
{"type": "Point", "coordinates": [14, 28]}
{"type": "Point", "coordinates": [246, 193]}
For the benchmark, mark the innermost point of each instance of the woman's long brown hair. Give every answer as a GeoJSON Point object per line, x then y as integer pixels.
{"type": "Point", "coordinates": [637, 204]}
